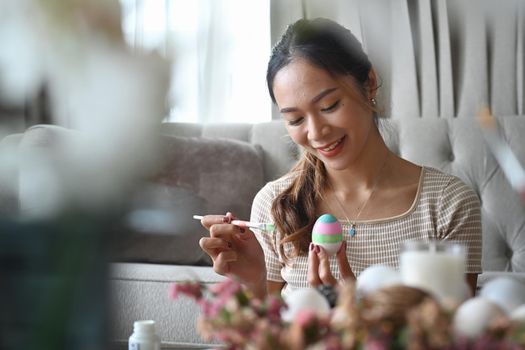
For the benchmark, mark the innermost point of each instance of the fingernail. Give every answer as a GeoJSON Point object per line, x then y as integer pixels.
{"type": "Point", "coordinates": [311, 247]}
{"type": "Point", "coordinates": [242, 229]}
{"type": "Point", "coordinates": [317, 249]}
{"type": "Point", "coordinates": [226, 219]}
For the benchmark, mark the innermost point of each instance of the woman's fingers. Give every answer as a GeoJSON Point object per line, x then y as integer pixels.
{"type": "Point", "coordinates": [313, 266]}
{"type": "Point", "coordinates": [221, 264]}
{"type": "Point", "coordinates": [344, 266]}
{"type": "Point", "coordinates": [324, 268]}
{"type": "Point", "coordinates": [212, 246]}
{"type": "Point", "coordinates": [221, 238]}
{"type": "Point", "coordinates": [219, 245]}
{"type": "Point", "coordinates": [319, 271]}
{"type": "Point", "coordinates": [210, 220]}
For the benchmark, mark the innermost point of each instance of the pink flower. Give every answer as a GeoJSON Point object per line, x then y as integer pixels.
{"type": "Point", "coordinates": [274, 306]}
{"type": "Point", "coordinates": [191, 289]}
{"type": "Point", "coordinates": [375, 344]}
{"type": "Point", "coordinates": [226, 288]}
{"type": "Point", "coordinates": [305, 318]}
{"type": "Point", "coordinates": [231, 315]}
{"type": "Point", "coordinates": [206, 307]}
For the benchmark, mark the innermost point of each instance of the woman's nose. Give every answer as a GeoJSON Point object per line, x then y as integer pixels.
{"type": "Point", "coordinates": [317, 128]}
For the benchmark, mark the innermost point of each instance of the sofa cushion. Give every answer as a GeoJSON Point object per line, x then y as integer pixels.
{"type": "Point", "coordinates": [158, 229]}
{"type": "Point", "coordinates": [228, 173]}
{"type": "Point", "coordinates": [197, 176]}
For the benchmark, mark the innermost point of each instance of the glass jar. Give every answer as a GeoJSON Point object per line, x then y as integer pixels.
{"type": "Point", "coordinates": [436, 266]}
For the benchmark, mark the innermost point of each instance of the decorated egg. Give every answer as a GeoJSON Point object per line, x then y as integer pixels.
{"type": "Point", "coordinates": [375, 277]}
{"type": "Point", "coordinates": [304, 299]}
{"type": "Point", "coordinates": [474, 316]}
{"type": "Point", "coordinates": [327, 233]}
{"type": "Point", "coordinates": [507, 292]}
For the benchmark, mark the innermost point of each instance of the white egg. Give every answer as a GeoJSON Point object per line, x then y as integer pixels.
{"type": "Point", "coordinates": [375, 277]}
{"type": "Point", "coordinates": [304, 299]}
{"type": "Point", "coordinates": [473, 316]}
{"type": "Point", "coordinates": [507, 292]}
{"type": "Point", "coordinates": [518, 315]}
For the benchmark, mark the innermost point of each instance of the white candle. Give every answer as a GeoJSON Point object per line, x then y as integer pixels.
{"type": "Point", "coordinates": [437, 267]}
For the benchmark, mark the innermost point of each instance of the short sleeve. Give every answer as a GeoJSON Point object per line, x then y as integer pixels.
{"type": "Point", "coordinates": [261, 212]}
{"type": "Point", "coordinates": [459, 219]}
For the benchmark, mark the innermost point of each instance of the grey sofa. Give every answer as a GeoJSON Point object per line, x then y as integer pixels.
{"type": "Point", "coordinates": [453, 145]}
{"type": "Point", "coordinates": [215, 168]}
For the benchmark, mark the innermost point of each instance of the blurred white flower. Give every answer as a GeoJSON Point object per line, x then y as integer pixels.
{"type": "Point", "coordinates": [21, 64]}
{"type": "Point", "coordinates": [114, 99]}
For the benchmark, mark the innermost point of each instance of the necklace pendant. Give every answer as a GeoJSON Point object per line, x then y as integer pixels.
{"type": "Point", "coordinates": [352, 231]}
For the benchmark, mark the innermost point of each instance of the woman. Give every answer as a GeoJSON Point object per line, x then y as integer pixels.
{"type": "Point", "coordinates": [325, 88]}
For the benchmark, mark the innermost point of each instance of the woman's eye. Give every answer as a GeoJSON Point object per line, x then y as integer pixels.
{"type": "Point", "coordinates": [295, 121]}
{"type": "Point", "coordinates": [331, 107]}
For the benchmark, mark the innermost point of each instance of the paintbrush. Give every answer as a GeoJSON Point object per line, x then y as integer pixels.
{"type": "Point", "coordinates": [247, 224]}
{"type": "Point", "coordinates": [501, 150]}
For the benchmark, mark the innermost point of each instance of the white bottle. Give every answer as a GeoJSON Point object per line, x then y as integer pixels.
{"type": "Point", "coordinates": [144, 336]}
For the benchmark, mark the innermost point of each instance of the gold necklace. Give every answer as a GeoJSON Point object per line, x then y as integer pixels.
{"type": "Point", "coordinates": [352, 231]}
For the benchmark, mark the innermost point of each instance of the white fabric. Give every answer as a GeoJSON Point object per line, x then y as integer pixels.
{"type": "Point", "coordinates": [219, 51]}
{"type": "Point", "coordinates": [436, 58]}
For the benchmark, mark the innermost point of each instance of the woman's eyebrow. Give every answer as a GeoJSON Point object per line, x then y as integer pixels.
{"type": "Point", "coordinates": [323, 94]}
{"type": "Point", "coordinates": [314, 100]}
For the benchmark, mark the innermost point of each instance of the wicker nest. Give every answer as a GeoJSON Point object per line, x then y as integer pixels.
{"type": "Point", "coordinates": [392, 304]}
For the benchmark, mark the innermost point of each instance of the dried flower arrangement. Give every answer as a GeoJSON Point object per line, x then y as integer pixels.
{"type": "Point", "coordinates": [394, 317]}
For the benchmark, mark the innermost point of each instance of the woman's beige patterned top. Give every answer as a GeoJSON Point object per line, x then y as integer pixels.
{"type": "Point", "coordinates": [444, 208]}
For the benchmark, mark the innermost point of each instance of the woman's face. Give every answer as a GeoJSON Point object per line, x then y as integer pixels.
{"type": "Point", "coordinates": [321, 115]}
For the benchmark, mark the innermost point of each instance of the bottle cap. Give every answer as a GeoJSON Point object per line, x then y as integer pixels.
{"type": "Point", "coordinates": [144, 326]}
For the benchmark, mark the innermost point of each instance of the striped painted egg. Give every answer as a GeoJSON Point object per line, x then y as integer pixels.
{"type": "Point", "coordinates": [327, 233]}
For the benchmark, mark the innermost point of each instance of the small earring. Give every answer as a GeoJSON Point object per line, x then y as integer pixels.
{"type": "Point", "coordinates": [373, 101]}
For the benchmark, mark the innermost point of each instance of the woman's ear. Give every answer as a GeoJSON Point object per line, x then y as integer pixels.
{"type": "Point", "coordinates": [372, 83]}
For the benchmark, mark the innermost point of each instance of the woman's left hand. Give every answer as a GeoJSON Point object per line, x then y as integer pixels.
{"type": "Point", "coordinates": [319, 266]}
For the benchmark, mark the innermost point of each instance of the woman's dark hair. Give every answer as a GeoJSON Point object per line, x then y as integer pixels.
{"type": "Point", "coordinates": [323, 43]}
{"type": "Point", "coordinates": [335, 49]}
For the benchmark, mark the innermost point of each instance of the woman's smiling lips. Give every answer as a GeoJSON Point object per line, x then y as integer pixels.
{"type": "Point", "coordinates": [332, 149]}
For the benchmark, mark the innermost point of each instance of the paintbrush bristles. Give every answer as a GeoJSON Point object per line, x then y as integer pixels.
{"type": "Point", "coordinates": [486, 119]}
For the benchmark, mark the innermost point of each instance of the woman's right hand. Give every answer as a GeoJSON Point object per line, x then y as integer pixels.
{"type": "Point", "coordinates": [235, 252]}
